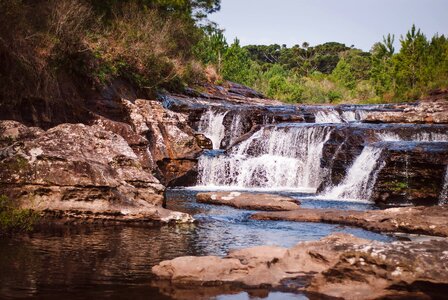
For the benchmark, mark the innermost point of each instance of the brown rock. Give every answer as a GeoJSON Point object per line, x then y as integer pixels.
{"type": "Point", "coordinates": [171, 140]}
{"type": "Point", "coordinates": [405, 270]}
{"type": "Point", "coordinates": [431, 110]}
{"type": "Point", "coordinates": [344, 266]}
{"type": "Point", "coordinates": [249, 201]}
{"type": "Point", "coordinates": [419, 220]}
{"type": "Point", "coordinates": [81, 170]}
{"type": "Point", "coordinates": [12, 131]}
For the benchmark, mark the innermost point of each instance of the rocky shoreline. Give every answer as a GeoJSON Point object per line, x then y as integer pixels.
{"type": "Point", "coordinates": [115, 168]}
{"type": "Point", "coordinates": [426, 220]}
{"type": "Point", "coordinates": [339, 265]}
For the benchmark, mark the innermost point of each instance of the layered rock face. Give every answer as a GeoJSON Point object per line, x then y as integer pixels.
{"type": "Point", "coordinates": [341, 266]}
{"type": "Point", "coordinates": [430, 110]}
{"type": "Point", "coordinates": [173, 145]}
{"type": "Point", "coordinates": [78, 170]}
{"type": "Point", "coordinates": [413, 173]}
{"type": "Point", "coordinates": [411, 166]}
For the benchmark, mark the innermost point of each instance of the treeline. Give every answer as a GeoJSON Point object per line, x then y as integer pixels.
{"type": "Point", "coordinates": [147, 42]}
{"type": "Point", "coordinates": [170, 44]}
{"type": "Point", "coordinates": [333, 72]}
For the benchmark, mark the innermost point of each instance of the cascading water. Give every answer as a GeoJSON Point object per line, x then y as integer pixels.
{"type": "Point", "coordinates": [236, 129]}
{"type": "Point", "coordinates": [275, 157]}
{"type": "Point", "coordinates": [349, 116]}
{"type": "Point", "coordinates": [328, 116]}
{"type": "Point", "coordinates": [418, 137]}
{"type": "Point", "coordinates": [360, 178]}
{"type": "Point", "coordinates": [211, 125]}
{"type": "Point", "coordinates": [444, 194]}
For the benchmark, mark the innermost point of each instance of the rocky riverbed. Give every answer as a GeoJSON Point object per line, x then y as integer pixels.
{"type": "Point", "coordinates": [340, 266]}
{"type": "Point", "coordinates": [382, 168]}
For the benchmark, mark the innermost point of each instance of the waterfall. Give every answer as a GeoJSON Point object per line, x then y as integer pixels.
{"type": "Point", "coordinates": [236, 129]}
{"type": "Point", "coordinates": [444, 194]}
{"type": "Point", "coordinates": [348, 116]}
{"type": "Point", "coordinates": [361, 115]}
{"type": "Point", "coordinates": [328, 116]}
{"type": "Point", "coordinates": [211, 125]}
{"type": "Point", "coordinates": [360, 178]}
{"type": "Point", "coordinates": [275, 157]}
{"type": "Point", "coordinates": [419, 137]}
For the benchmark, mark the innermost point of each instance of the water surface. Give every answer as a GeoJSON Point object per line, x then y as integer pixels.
{"type": "Point", "coordinates": [85, 262]}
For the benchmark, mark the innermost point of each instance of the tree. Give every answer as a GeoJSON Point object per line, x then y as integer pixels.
{"type": "Point", "coordinates": [411, 60]}
{"type": "Point", "coordinates": [194, 9]}
{"type": "Point", "coordinates": [381, 60]}
{"type": "Point", "coordinates": [344, 75]}
{"type": "Point", "coordinates": [237, 64]}
{"type": "Point", "coordinates": [211, 48]}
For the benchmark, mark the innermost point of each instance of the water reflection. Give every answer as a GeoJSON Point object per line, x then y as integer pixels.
{"type": "Point", "coordinates": [115, 262]}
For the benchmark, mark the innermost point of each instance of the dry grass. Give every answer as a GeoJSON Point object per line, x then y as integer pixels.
{"type": "Point", "coordinates": [41, 39]}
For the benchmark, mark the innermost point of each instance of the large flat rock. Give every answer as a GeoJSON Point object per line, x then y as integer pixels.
{"type": "Point", "coordinates": [249, 200]}
{"type": "Point", "coordinates": [75, 170]}
{"type": "Point", "coordinates": [340, 265]}
{"type": "Point", "coordinates": [430, 220]}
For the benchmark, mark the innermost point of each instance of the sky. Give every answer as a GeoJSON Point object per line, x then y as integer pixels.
{"type": "Point", "coordinates": [354, 22]}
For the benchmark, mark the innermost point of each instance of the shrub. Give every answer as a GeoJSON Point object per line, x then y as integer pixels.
{"type": "Point", "coordinates": [149, 48]}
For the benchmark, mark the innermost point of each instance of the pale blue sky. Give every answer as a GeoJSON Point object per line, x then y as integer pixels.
{"type": "Point", "coordinates": [353, 22]}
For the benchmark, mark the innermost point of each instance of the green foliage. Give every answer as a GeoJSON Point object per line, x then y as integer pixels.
{"type": "Point", "coordinates": [13, 219]}
{"type": "Point", "coordinates": [281, 84]}
{"type": "Point", "coordinates": [344, 75]}
{"type": "Point", "coordinates": [333, 72]}
{"type": "Point", "coordinates": [149, 42]}
{"type": "Point", "coordinates": [211, 48]}
{"type": "Point", "coordinates": [237, 65]}
{"type": "Point", "coordinates": [167, 44]}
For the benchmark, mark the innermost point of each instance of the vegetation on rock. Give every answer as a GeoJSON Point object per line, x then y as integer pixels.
{"type": "Point", "coordinates": [14, 219]}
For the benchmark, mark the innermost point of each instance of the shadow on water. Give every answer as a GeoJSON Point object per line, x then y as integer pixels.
{"type": "Point", "coordinates": [86, 262]}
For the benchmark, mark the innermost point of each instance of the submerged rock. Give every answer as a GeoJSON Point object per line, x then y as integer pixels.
{"type": "Point", "coordinates": [431, 220]}
{"type": "Point", "coordinates": [79, 170]}
{"type": "Point", "coordinates": [249, 200]}
{"type": "Point", "coordinates": [342, 265]}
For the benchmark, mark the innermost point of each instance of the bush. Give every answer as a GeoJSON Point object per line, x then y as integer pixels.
{"type": "Point", "coordinates": [147, 47]}
{"type": "Point", "coordinates": [13, 219]}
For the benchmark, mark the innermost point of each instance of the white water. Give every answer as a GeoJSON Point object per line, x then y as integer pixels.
{"type": "Point", "coordinates": [328, 116]}
{"type": "Point", "coordinates": [361, 115]}
{"type": "Point", "coordinates": [360, 178]}
{"type": "Point", "coordinates": [444, 193]}
{"type": "Point", "coordinates": [236, 129]}
{"type": "Point", "coordinates": [211, 125]}
{"type": "Point", "coordinates": [349, 116]}
{"type": "Point", "coordinates": [272, 158]}
{"type": "Point", "coordinates": [419, 137]}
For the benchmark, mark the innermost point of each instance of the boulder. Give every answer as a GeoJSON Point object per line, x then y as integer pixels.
{"type": "Point", "coordinates": [12, 131]}
{"type": "Point", "coordinates": [81, 170]}
{"type": "Point", "coordinates": [428, 220]}
{"type": "Point", "coordinates": [172, 142]}
{"type": "Point", "coordinates": [340, 265]}
{"type": "Point", "coordinates": [249, 200]}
